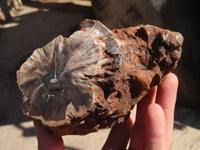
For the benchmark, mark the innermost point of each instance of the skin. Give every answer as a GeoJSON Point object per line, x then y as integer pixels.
{"type": "Point", "coordinates": [150, 126]}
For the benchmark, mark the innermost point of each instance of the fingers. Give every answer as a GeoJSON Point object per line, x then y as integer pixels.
{"type": "Point", "coordinates": [138, 134]}
{"type": "Point", "coordinates": [155, 129]}
{"type": "Point", "coordinates": [154, 121]}
{"type": "Point", "coordinates": [120, 134]}
{"type": "Point", "coordinates": [143, 104]}
{"type": "Point", "coordinates": [166, 98]}
{"type": "Point", "coordinates": [46, 141]}
{"type": "Point", "coordinates": [160, 115]}
{"type": "Point", "coordinates": [41, 131]}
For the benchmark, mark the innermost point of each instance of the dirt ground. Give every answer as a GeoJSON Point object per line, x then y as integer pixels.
{"type": "Point", "coordinates": [33, 27]}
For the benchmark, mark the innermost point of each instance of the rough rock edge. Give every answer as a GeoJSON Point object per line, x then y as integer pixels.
{"type": "Point", "coordinates": [149, 39]}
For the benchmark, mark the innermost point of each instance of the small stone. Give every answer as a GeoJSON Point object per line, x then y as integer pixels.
{"type": "Point", "coordinates": [92, 79]}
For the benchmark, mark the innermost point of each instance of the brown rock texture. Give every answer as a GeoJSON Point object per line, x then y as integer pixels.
{"type": "Point", "coordinates": [93, 79]}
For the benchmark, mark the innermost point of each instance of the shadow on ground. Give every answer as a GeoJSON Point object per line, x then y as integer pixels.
{"type": "Point", "coordinates": [187, 117]}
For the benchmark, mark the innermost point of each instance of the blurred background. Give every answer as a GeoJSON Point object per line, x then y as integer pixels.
{"type": "Point", "coordinates": [29, 24]}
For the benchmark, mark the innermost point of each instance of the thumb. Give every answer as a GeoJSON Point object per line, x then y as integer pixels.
{"type": "Point", "coordinates": [155, 129]}
{"type": "Point", "coordinates": [46, 140]}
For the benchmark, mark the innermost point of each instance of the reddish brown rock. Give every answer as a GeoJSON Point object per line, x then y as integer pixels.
{"type": "Point", "coordinates": [92, 79]}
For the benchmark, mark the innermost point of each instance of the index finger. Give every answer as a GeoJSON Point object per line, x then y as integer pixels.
{"type": "Point", "coordinates": [166, 98]}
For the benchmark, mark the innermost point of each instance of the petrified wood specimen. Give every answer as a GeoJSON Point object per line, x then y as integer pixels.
{"type": "Point", "coordinates": [92, 79]}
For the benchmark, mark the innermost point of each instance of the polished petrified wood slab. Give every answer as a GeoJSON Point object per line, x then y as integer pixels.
{"type": "Point", "coordinates": [92, 79]}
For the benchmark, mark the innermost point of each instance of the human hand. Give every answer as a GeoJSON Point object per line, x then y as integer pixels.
{"type": "Point", "coordinates": [46, 140]}
{"type": "Point", "coordinates": [149, 127]}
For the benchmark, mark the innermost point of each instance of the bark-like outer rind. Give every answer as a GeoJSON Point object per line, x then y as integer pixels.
{"type": "Point", "coordinates": [95, 86]}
